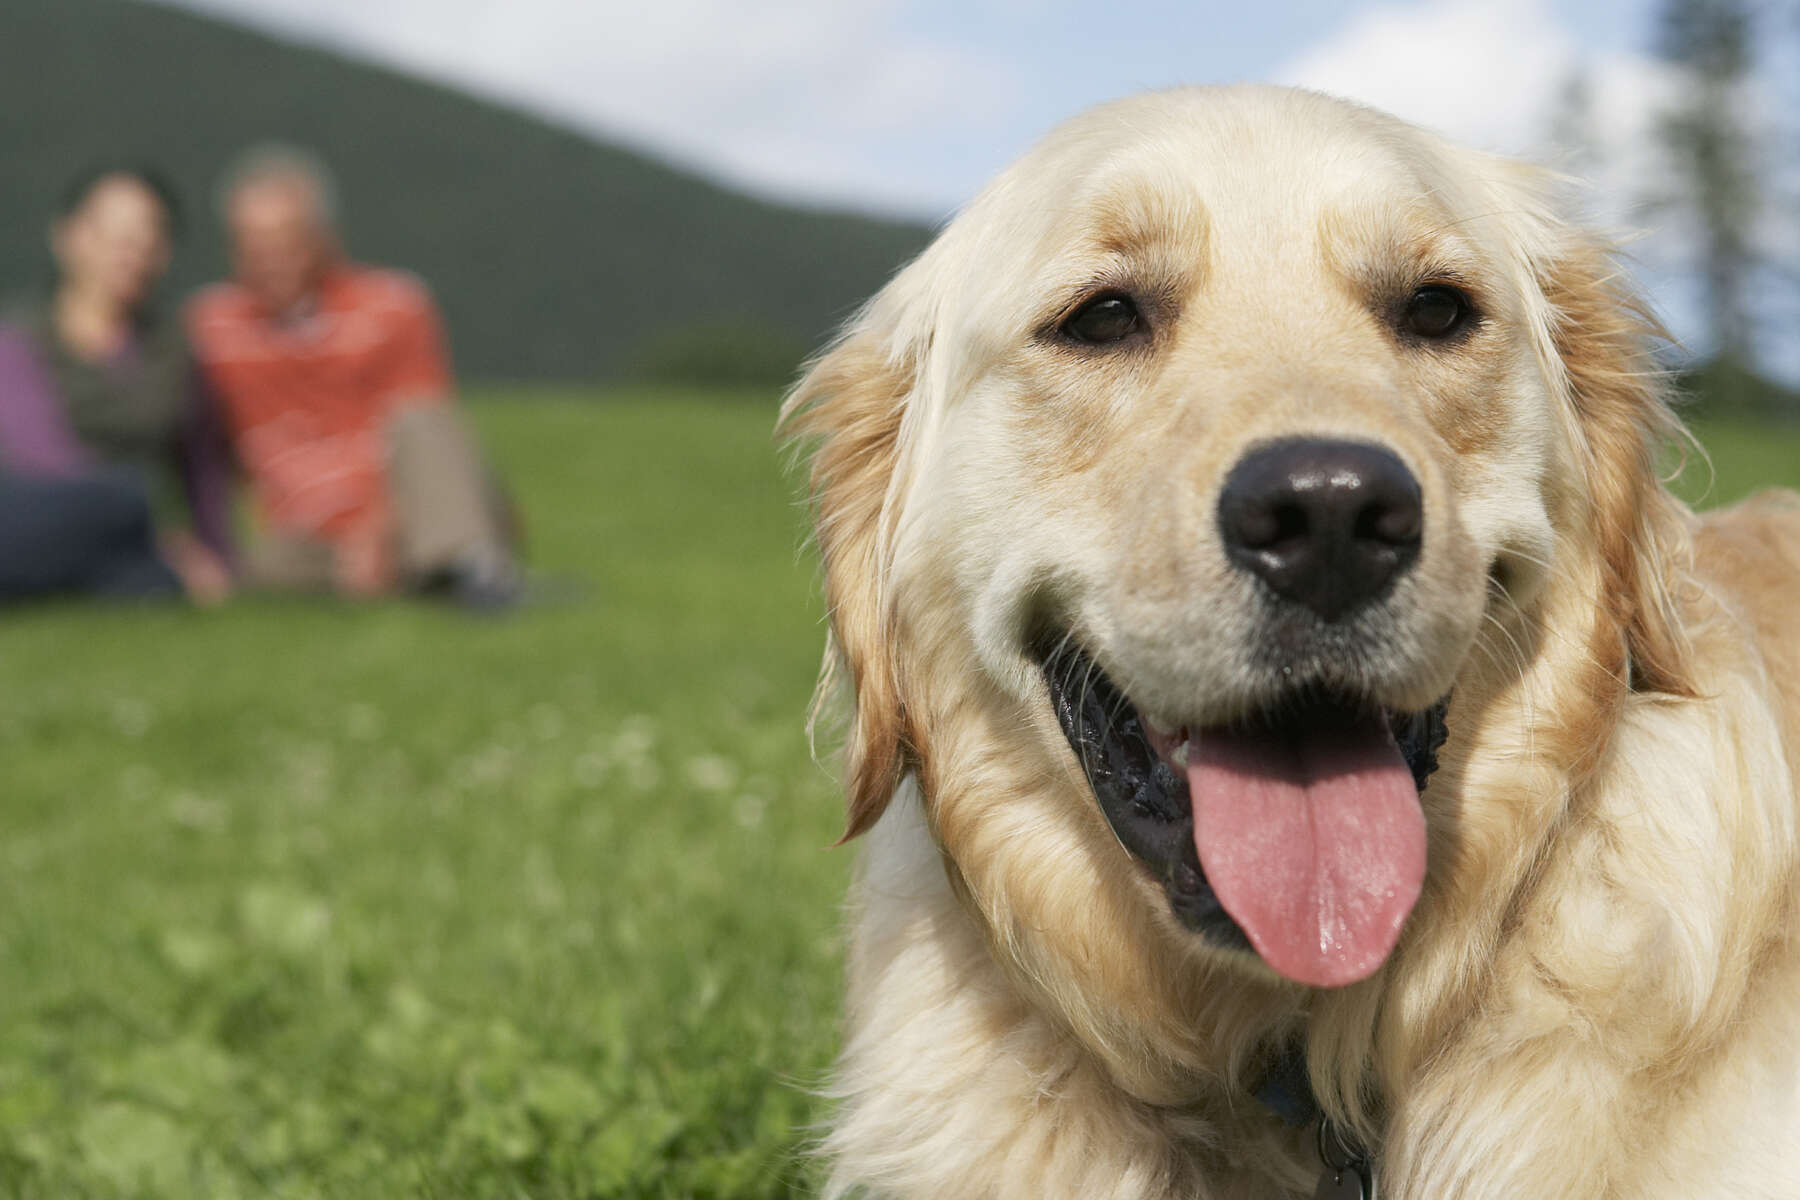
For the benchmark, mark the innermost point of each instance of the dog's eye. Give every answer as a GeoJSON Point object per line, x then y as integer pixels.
{"type": "Point", "coordinates": [1109, 317]}
{"type": "Point", "coordinates": [1435, 311]}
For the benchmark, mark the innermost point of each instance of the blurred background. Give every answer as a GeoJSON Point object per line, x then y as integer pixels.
{"type": "Point", "coordinates": [336, 898]}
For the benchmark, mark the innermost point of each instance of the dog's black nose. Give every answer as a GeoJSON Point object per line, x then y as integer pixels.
{"type": "Point", "coordinates": [1329, 525]}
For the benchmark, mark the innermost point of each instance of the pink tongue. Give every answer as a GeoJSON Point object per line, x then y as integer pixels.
{"type": "Point", "coordinates": [1314, 843]}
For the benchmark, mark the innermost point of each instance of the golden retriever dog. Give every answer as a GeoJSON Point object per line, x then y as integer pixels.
{"type": "Point", "coordinates": [1298, 742]}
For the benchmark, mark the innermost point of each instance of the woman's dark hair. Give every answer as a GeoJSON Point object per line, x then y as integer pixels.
{"type": "Point", "coordinates": [76, 192]}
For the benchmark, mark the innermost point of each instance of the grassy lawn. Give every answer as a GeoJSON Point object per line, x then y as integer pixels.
{"type": "Point", "coordinates": [316, 900]}
{"type": "Point", "coordinates": [1743, 458]}
{"type": "Point", "coordinates": [320, 900]}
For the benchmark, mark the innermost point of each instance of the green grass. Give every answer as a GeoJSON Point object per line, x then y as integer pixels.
{"type": "Point", "coordinates": [319, 900]}
{"type": "Point", "coordinates": [315, 900]}
{"type": "Point", "coordinates": [1739, 459]}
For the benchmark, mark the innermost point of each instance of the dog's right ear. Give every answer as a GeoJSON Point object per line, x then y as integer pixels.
{"type": "Point", "coordinates": [849, 407]}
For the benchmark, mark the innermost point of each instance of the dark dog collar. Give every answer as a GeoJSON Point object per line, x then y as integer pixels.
{"type": "Point", "coordinates": [1347, 1171]}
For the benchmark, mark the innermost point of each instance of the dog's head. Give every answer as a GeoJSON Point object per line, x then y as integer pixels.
{"type": "Point", "coordinates": [1167, 499]}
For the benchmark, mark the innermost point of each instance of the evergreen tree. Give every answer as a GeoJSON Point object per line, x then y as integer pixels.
{"type": "Point", "coordinates": [1713, 154]}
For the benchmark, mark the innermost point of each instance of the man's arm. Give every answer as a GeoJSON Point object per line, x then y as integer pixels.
{"type": "Point", "coordinates": [416, 367]}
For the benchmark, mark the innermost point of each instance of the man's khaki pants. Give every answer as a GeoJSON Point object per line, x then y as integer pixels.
{"type": "Point", "coordinates": [448, 512]}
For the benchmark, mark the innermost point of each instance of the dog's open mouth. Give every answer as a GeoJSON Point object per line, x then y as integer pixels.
{"type": "Point", "coordinates": [1296, 832]}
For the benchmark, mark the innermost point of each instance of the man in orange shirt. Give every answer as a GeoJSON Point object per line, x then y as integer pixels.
{"type": "Point", "coordinates": [335, 385]}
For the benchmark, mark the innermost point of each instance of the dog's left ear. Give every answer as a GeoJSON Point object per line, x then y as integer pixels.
{"type": "Point", "coordinates": [1603, 336]}
{"type": "Point", "coordinates": [849, 407]}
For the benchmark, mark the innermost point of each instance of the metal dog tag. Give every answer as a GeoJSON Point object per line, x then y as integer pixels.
{"type": "Point", "coordinates": [1350, 1183]}
{"type": "Point", "coordinates": [1347, 1174]}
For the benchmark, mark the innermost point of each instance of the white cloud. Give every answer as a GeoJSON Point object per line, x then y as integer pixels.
{"type": "Point", "coordinates": [1490, 73]}
{"type": "Point", "coordinates": [1480, 71]}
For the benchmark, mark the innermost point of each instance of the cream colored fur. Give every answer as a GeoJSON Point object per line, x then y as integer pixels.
{"type": "Point", "coordinates": [1598, 993]}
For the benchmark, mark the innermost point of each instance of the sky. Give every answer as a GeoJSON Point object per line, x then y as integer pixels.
{"type": "Point", "coordinates": [907, 106]}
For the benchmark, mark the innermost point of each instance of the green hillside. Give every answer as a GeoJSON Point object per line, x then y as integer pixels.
{"type": "Point", "coordinates": [555, 255]}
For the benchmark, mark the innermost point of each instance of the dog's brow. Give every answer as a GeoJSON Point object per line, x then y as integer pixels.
{"type": "Point", "coordinates": [1381, 251]}
{"type": "Point", "coordinates": [1134, 217]}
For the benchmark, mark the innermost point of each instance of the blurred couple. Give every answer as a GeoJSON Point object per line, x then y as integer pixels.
{"type": "Point", "coordinates": [322, 384]}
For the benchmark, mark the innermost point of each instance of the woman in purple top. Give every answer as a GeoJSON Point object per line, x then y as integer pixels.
{"type": "Point", "coordinates": [114, 473]}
